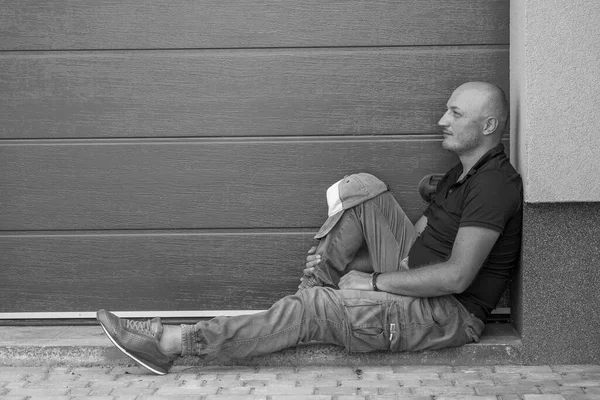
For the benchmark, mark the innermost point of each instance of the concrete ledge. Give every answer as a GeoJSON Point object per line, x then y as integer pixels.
{"type": "Point", "coordinates": [88, 346]}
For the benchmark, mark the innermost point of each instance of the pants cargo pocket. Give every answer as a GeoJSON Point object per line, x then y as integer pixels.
{"type": "Point", "coordinates": [367, 322]}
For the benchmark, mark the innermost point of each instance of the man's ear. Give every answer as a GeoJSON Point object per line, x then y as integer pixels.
{"type": "Point", "coordinates": [490, 125]}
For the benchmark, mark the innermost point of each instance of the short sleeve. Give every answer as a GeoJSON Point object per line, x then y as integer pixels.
{"type": "Point", "coordinates": [490, 201]}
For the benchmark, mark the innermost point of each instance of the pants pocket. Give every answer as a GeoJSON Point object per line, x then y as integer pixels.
{"type": "Point", "coordinates": [367, 322]}
{"type": "Point", "coordinates": [443, 309]}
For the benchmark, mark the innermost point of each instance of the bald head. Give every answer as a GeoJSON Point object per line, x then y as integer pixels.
{"type": "Point", "coordinates": [488, 100]}
{"type": "Point", "coordinates": [475, 119]}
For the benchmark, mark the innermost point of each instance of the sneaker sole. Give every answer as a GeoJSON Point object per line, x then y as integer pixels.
{"type": "Point", "coordinates": [134, 358]}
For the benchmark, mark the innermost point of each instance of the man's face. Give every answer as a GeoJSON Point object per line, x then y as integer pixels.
{"type": "Point", "coordinates": [462, 123]}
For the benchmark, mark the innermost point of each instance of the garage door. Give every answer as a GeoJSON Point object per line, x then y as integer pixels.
{"type": "Point", "coordinates": [173, 156]}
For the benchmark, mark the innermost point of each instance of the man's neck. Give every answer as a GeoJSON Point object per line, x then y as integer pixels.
{"type": "Point", "coordinates": [468, 160]}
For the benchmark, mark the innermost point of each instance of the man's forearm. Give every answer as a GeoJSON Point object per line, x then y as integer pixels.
{"type": "Point", "coordinates": [428, 281]}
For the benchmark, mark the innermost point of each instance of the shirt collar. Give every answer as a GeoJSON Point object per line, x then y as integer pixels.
{"type": "Point", "coordinates": [495, 152]}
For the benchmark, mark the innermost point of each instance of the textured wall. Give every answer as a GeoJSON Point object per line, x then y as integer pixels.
{"type": "Point", "coordinates": [555, 96]}
{"type": "Point", "coordinates": [558, 290]}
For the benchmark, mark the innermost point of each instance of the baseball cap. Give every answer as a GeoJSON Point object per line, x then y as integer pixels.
{"type": "Point", "coordinates": [346, 193]}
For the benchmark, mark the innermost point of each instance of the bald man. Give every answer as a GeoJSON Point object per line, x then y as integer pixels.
{"type": "Point", "coordinates": [375, 281]}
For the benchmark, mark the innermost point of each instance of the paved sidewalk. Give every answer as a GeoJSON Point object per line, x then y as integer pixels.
{"type": "Point", "coordinates": [505, 382]}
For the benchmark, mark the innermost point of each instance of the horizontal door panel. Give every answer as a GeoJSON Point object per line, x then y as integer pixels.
{"type": "Point", "coordinates": [237, 92]}
{"type": "Point", "coordinates": [130, 24]}
{"type": "Point", "coordinates": [175, 272]}
{"type": "Point", "coordinates": [182, 184]}
{"type": "Point", "coordinates": [60, 273]}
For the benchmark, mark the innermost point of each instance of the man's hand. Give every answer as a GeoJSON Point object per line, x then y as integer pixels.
{"type": "Point", "coordinates": [356, 280]}
{"type": "Point", "coordinates": [312, 260]}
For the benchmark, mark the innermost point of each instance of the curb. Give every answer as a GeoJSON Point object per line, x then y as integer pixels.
{"type": "Point", "coordinates": [87, 346]}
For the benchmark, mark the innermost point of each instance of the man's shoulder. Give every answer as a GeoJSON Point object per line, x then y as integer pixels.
{"type": "Point", "coordinates": [500, 173]}
{"type": "Point", "coordinates": [497, 188]}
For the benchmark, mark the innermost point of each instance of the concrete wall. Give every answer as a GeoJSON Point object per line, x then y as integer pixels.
{"type": "Point", "coordinates": [555, 100]}
{"type": "Point", "coordinates": [555, 96]}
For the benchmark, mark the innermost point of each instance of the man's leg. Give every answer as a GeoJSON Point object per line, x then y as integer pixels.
{"type": "Point", "coordinates": [315, 315]}
{"type": "Point", "coordinates": [361, 321]}
{"type": "Point", "coordinates": [321, 315]}
{"type": "Point", "coordinates": [381, 224]}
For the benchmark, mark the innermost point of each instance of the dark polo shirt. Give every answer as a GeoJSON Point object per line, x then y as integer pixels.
{"type": "Point", "coordinates": [489, 196]}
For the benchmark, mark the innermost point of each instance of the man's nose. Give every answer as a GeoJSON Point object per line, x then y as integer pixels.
{"type": "Point", "coordinates": [443, 121]}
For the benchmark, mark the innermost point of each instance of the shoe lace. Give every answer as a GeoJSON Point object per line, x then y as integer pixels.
{"type": "Point", "coordinates": [139, 326]}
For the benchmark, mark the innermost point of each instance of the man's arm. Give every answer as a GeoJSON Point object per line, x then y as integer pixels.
{"type": "Point", "coordinates": [471, 247]}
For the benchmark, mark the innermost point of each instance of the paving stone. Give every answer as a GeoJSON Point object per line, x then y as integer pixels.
{"type": "Point", "coordinates": [9, 374]}
{"type": "Point", "coordinates": [399, 397]}
{"type": "Point", "coordinates": [561, 389]}
{"type": "Point", "coordinates": [336, 390]}
{"type": "Point", "coordinates": [369, 383]}
{"type": "Point", "coordinates": [436, 383]}
{"type": "Point", "coordinates": [319, 382]}
{"type": "Point", "coordinates": [508, 389]}
{"type": "Point", "coordinates": [301, 397]}
{"type": "Point", "coordinates": [281, 383]}
{"type": "Point", "coordinates": [543, 397]}
{"type": "Point", "coordinates": [134, 391]}
{"type": "Point", "coordinates": [186, 391]}
{"type": "Point", "coordinates": [581, 383]}
{"type": "Point", "coordinates": [503, 378]}
{"type": "Point", "coordinates": [216, 383]}
{"type": "Point", "coordinates": [92, 398]}
{"type": "Point", "coordinates": [279, 391]}
{"type": "Point", "coordinates": [260, 383]}
{"type": "Point", "coordinates": [472, 382]}
{"type": "Point", "coordinates": [227, 391]}
{"type": "Point", "coordinates": [366, 391]}
{"type": "Point", "coordinates": [397, 391]}
{"type": "Point", "coordinates": [236, 397]}
{"type": "Point", "coordinates": [422, 369]}
{"type": "Point", "coordinates": [38, 391]}
{"type": "Point", "coordinates": [154, 397]}
{"type": "Point", "coordinates": [58, 384]}
{"type": "Point", "coordinates": [542, 376]}
{"type": "Point", "coordinates": [81, 391]}
{"type": "Point", "coordinates": [129, 397]}
{"type": "Point", "coordinates": [277, 370]}
{"type": "Point", "coordinates": [297, 376]}
{"type": "Point", "coordinates": [258, 375]}
{"type": "Point", "coordinates": [522, 369]}
{"type": "Point", "coordinates": [324, 369]}
{"type": "Point", "coordinates": [509, 397]}
{"type": "Point", "coordinates": [15, 384]}
{"type": "Point", "coordinates": [410, 376]}
{"type": "Point", "coordinates": [445, 391]}
{"type": "Point", "coordinates": [466, 397]}
{"type": "Point", "coordinates": [474, 369]}
{"type": "Point", "coordinates": [576, 368]}
{"type": "Point", "coordinates": [374, 369]}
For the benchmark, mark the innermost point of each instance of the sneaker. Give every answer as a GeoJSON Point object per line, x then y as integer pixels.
{"type": "Point", "coordinates": [138, 339]}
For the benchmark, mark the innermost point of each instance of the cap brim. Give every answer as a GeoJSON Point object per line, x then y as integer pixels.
{"type": "Point", "coordinates": [329, 224]}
